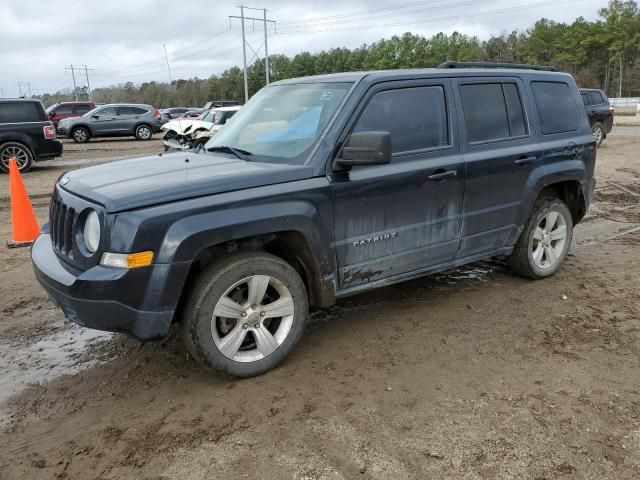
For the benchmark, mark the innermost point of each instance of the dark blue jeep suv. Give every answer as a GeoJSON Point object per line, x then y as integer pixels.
{"type": "Point", "coordinates": [320, 188]}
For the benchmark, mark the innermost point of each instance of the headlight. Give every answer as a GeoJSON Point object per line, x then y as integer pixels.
{"type": "Point", "coordinates": [91, 232]}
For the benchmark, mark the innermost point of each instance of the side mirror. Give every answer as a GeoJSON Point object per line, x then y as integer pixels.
{"type": "Point", "coordinates": [365, 148]}
{"type": "Point", "coordinates": [52, 114]}
{"type": "Point", "coordinates": [95, 116]}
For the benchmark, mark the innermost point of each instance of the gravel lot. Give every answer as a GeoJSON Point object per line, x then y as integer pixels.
{"type": "Point", "coordinates": [472, 374]}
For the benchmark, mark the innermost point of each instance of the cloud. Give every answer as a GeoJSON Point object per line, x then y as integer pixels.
{"type": "Point", "coordinates": [123, 39]}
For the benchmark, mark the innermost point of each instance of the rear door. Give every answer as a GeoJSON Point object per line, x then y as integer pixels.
{"type": "Point", "coordinates": [404, 217]}
{"type": "Point", "coordinates": [128, 118]}
{"type": "Point", "coordinates": [499, 153]}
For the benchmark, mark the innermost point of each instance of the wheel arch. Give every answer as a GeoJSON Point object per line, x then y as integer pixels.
{"type": "Point", "coordinates": [571, 192]}
{"type": "Point", "coordinates": [23, 140]}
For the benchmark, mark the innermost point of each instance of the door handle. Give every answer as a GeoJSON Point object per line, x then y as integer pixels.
{"type": "Point", "coordinates": [442, 175]}
{"type": "Point", "coordinates": [524, 161]}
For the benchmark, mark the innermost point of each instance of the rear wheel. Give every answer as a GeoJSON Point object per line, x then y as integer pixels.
{"type": "Point", "coordinates": [245, 314]}
{"type": "Point", "coordinates": [80, 135]}
{"type": "Point", "coordinates": [545, 241]}
{"type": "Point", "coordinates": [21, 153]}
{"type": "Point", "coordinates": [143, 132]}
{"type": "Point", "coordinates": [597, 131]}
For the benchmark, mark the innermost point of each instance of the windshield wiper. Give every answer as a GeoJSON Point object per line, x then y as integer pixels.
{"type": "Point", "coordinates": [238, 152]}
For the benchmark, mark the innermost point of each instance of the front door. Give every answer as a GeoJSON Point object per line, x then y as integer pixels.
{"type": "Point", "coordinates": [405, 217]}
{"type": "Point", "coordinates": [104, 120]}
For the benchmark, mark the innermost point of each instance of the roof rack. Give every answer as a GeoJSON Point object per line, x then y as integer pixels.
{"type": "Point", "coordinates": [495, 65]}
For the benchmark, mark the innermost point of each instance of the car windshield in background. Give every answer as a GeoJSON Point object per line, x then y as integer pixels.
{"type": "Point", "coordinates": [91, 112]}
{"type": "Point", "coordinates": [281, 123]}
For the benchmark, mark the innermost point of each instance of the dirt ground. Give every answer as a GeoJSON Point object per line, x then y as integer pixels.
{"type": "Point", "coordinates": [472, 374]}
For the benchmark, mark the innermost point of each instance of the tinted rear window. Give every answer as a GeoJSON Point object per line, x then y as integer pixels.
{"type": "Point", "coordinates": [83, 108]}
{"type": "Point", "coordinates": [131, 111]}
{"type": "Point", "coordinates": [64, 109]}
{"type": "Point", "coordinates": [556, 107]}
{"type": "Point", "coordinates": [415, 117]}
{"type": "Point", "coordinates": [17, 112]}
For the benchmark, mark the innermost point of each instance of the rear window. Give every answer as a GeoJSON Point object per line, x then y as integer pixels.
{"type": "Point", "coordinates": [492, 111]}
{"type": "Point", "coordinates": [556, 107]}
{"type": "Point", "coordinates": [17, 112]}
{"type": "Point", "coordinates": [84, 108]}
{"type": "Point", "coordinates": [415, 117]}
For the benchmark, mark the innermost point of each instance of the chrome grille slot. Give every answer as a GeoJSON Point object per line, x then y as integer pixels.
{"type": "Point", "coordinates": [62, 212]}
{"type": "Point", "coordinates": [53, 218]}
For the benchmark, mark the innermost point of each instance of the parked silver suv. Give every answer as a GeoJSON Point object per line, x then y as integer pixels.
{"type": "Point", "coordinates": [114, 120]}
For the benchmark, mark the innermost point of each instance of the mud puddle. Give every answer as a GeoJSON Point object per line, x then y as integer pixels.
{"type": "Point", "coordinates": [61, 353]}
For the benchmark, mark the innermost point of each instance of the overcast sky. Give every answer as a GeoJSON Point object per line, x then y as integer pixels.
{"type": "Point", "coordinates": [123, 39]}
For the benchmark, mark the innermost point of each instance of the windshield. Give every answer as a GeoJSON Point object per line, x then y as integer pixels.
{"type": "Point", "coordinates": [281, 123]}
{"type": "Point", "coordinates": [50, 109]}
{"type": "Point", "coordinates": [91, 112]}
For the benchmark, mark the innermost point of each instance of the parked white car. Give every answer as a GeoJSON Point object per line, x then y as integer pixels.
{"type": "Point", "coordinates": [191, 132]}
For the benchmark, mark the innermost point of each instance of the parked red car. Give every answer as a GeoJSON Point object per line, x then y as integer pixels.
{"type": "Point", "coordinates": [62, 110]}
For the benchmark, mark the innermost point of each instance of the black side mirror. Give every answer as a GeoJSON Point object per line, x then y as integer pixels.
{"type": "Point", "coordinates": [95, 116]}
{"type": "Point", "coordinates": [52, 114]}
{"type": "Point", "coordinates": [365, 148]}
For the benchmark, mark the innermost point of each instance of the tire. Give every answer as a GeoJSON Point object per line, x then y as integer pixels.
{"type": "Point", "coordinates": [234, 278]}
{"type": "Point", "coordinates": [80, 134]}
{"type": "Point", "coordinates": [598, 133]}
{"type": "Point", "coordinates": [539, 254]}
{"type": "Point", "coordinates": [18, 150]}
{"type": "Point", "coordinates": [144, 132]}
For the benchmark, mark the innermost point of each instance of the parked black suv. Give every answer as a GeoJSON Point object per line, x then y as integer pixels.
{"type": "Point", "coordinates": [26, 133]}
{"type": "Point", "coordinates": [321, 187]}
{"type": "Point", "coordinates": [600, 113]}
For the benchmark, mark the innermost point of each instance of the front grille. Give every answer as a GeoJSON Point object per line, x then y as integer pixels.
{"type": "Point", "coordinates": [62, 219]}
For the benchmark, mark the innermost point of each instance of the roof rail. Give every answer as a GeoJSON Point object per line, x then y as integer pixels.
{"type": "Point", "coordinates": [495, 65]}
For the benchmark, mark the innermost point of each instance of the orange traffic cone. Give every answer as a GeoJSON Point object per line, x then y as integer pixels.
{"type": "Point", "coordinates": [24, 226]}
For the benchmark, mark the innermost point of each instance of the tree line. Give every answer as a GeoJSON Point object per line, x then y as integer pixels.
{"type": "Point", "coordinates": [599, 54]}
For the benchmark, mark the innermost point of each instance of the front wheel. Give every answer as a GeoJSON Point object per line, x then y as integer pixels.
{"type": "Point", "coordinates": [545, 240]}
{"type": "Point", "coordinates": [245, 313]}
{"type": "Point", "coordinates": [80, 135]}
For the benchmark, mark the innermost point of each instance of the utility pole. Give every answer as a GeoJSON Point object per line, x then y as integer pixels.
{"type": "Point", "coordinates": [244, 44]}
{"type": "Point", "coordinates": [27, 86]}
{"type": "Point", "coordinates": [266, 48]}
{"type": "Point", "coordinates": [86, 73]}
{"type": "Point", "coordinates": [73, 75]}
{"type": "Point", "coordinates": [166, 57]}
{"type": "Point", "coordinates": [86, 69]}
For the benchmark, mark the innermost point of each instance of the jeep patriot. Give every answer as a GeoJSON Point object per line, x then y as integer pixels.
{"type": "Point", "coordinates": [321, 187]}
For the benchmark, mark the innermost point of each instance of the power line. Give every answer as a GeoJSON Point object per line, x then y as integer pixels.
{"type": "Point", "coordinates": [430, 19]}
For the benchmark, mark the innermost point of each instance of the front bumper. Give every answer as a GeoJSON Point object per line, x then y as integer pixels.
{"type": "Point", "coordinates": [106, 298]}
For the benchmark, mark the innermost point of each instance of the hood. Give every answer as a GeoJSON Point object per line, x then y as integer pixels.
{"type": "Point", "coordinates": [146, 181]}
{"type": "Point", "coordinates": [186, 126]}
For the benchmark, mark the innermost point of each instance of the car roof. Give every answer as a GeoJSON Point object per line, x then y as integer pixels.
{"type": "Point", "coordinates": [416, 73]}
{"type": "Point", "coordinates": [591, 90]}
{"type": "Point", "coordinates": [125, 105]}
{"type": "Point", "coordinates": [12, 100]}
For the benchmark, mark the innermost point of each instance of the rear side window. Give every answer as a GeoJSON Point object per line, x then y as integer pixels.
{"type": "Point", "coordinates": [492, 111]}
{"type": "Point", "coordinates": [17, 112]}
{"type": "Point", "coordinates": [415, 117]}
{"type": "Point", "coordinates": [556, 107]}
{"type": "Point", "coordinates": [83, 108]}
{"type": "Point", "coordinates": [596, 98]}
{"type": "Point", "coordinates": [64, 109]}
{"type": "Point", "coordinates": [131, 111]}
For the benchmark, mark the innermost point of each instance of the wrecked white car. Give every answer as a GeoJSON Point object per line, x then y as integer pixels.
{"type": "Point", "coordinates": [190, 133]}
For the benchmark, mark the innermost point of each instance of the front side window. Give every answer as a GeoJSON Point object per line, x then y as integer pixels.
{"type": "Point", "coordinates": [492, 111]}
{"type": "Point", "coordinates": [556, 107]}
{"type": "Point", "coordinates": [585, 99]}
{"type": "Point", "coordinates": [281, 123]}
{"type": "Point", "coordinates": [416, 118]}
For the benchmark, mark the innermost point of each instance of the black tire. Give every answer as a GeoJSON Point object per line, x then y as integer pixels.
{"type": "Point", "coordinates": [521, 259]}
{"type": "Point", "coordinates": [144, 132]}
{"type": "Point", "coordinates": [80, 134]}
{"type": "Point", "coordinates": [211, 285]}
{"type": "Point", "coordinates": [598, 132]}
{"type": "Point", "coordinates": [22, 153]}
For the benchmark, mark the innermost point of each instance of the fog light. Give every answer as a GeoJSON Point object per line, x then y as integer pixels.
{"type": "Point", "coordinates": [126, 260]}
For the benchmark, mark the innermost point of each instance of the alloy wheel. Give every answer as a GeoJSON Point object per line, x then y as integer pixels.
{"type": "Point", "coordinates": [17, 152]}
{"type": "Point", "coordinates": [597, 135]}
{"type": "Point", "coordinates": [144, 133]}
{"type": "Point", "coordinates": [252, 318]}
{"type": "Point", "coordinates": [549, 239]}
{"type": "Point", "coordinates": [79, 135]}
